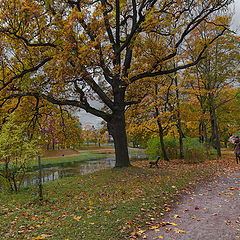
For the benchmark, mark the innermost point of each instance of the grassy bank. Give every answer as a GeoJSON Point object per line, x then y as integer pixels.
{"type": "Point", "coordinates": [109, 204]}
{"type": "Point", "coordinates": [79, 157]}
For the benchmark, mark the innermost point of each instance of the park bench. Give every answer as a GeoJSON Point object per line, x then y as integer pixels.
{"type": "Point", "coordinates": [154, 163]}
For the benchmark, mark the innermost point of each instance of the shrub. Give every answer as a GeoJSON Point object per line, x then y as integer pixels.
{"type": "Point", "coordinates": [193, 150]}
{"type": "Point", "coordinates": [154, 147]}
{"type": "Point", "coordinates": [15, 152]}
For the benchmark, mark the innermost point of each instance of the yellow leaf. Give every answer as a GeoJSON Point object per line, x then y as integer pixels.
{"type": "Point", "coordinates": [160, 237]}
{"type": "Point", "coordinates": [179, 231]}
{"type": "Point", "coordinates": [39, 237]}
{"type": "Point", "coordinates": [153, 227]}
{"type": "Point", "coordinates": [77, 218]}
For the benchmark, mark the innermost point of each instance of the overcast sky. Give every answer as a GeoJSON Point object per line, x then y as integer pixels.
{"type": "Point", "coordinates": [236, 17]}
{"type": "Point", "coordinates": [86, 118]}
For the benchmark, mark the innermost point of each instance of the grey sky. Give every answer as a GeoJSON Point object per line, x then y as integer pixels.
{"type": "Point", "coordinates": [86, 118]}
{"type": "Point", "coordinates": [236, 17]}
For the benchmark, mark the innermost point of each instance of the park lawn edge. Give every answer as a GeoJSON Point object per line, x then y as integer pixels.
{"type": "Point", "coordinates": [108, 204]}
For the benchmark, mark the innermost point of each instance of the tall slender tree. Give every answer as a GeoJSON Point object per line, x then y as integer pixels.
{"type": "Point", "coordinates": [214, 74]}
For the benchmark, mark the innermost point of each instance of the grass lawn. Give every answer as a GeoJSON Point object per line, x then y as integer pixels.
{"type": "Point", "coordinates": [109, 204]}
{"type": "Point", "coordinates": [85, 156]}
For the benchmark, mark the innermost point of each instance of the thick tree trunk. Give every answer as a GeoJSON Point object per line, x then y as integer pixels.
{"type": "Point", "coordinates": [116, 128]}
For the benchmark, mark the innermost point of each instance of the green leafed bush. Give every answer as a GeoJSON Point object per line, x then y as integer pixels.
{"type": "Point", "coordinates": [154, 147]}
{"type": "Point", "coordinates": [16, 149]}
{"type": "Point", "coordinates": [193, 150]}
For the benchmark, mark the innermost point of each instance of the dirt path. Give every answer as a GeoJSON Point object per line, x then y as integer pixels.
{"type": "Point", "coordinates": [211, 212]}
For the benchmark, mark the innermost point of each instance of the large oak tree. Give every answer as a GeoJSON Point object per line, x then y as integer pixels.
{"type": "Point", "coordinates": [70, 51]}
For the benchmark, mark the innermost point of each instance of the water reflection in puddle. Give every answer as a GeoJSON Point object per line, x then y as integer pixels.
{"type": "Point", "coordinates": [74, 168]}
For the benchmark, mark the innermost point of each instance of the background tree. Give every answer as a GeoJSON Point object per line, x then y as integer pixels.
{"type": "Point", "coordinates": [48, 122]}
{"type": "Point", "coordinates": [16, 149]}
{"type": "Point", "coordinates": [214, 74]}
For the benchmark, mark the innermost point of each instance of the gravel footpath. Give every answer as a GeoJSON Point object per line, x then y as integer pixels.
{"type": "Point", "coordinates": [211, 212]}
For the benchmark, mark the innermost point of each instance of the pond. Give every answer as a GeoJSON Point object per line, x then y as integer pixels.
{"type": "Point", "coordinates": [72, 168]}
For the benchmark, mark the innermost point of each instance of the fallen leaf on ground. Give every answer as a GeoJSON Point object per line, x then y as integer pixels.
{"type": "Point", "coordinates": [77, 218]}
{"type": "Point", "coordinates": [153, 227]}
{"type": "Point", "coordinates": [176, 230]}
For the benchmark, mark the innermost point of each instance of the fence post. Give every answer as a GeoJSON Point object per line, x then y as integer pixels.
{"type": "Point", "coordinates": [40, 179]}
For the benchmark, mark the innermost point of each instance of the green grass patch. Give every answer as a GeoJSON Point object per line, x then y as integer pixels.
{"type": "Point", "coordinates": [81, 157]}
{"type": "Point", "coordinates": [109, 204]}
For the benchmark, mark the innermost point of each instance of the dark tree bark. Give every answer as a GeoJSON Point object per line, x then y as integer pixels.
{"type": "Point", "coordinates": [203, 132]}
{"type": "Point", "coordinates": [215, 130]}
{"type": "Point", "coordinates": [160, 128]}
{"type": "Point", "coordinates": [179, 124]}
{"type": "Point", "coordinates": [116, 128]}
{"type": "Point", "coordinates": [165, 157]}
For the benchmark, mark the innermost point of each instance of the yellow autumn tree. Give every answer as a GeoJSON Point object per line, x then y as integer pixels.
{"type": "Point", "coordinates": [70, 52]}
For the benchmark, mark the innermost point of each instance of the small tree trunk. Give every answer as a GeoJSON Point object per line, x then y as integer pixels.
{"type": "Point", "coordinates": [165, 157]}
{"type": "Point", "coordinates": [204, 132]}
{"type": "Point", "coordinates": [179, 124]}
{"type": "Point", "coordinates": [160, 129]}
{"type": "Point", "coordinates": [40, 179]}
{"type": "Point", "coordinates": [14, 184]}
{"type": "Point", "coordinates": [180, 133]}
{"type": "Point", "coordinates": [181, 145]}
{"type": "Point", "coordinates": [214, 126]}
{"type": "Point", "coordinates": [218, 144]}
